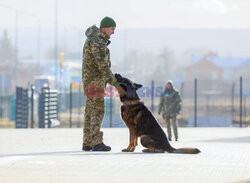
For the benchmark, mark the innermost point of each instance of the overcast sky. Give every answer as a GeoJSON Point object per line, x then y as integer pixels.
{"type": "Point", "coordinates": [131, 13]}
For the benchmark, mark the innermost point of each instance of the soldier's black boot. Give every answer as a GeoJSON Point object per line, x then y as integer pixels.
{"type": "Point", "coordinates": [101, 147]}
{"type": "Point", "coordinates": [86, 148]}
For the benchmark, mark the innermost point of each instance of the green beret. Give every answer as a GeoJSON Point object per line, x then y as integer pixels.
{"type": "Point", "coordinates": [107, 22]}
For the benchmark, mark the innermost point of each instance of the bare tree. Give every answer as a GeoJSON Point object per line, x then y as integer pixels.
{"type": "Point", "coordinates": [7, 51]}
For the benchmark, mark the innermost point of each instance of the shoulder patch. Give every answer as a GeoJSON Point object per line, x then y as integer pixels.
{"type": "Point", "coordinates": [101, 47]}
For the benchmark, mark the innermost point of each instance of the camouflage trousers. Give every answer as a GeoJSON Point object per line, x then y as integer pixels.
{"type": "Point", "coordinates": [174, 125]}
{"type": "Point", "coordinates": [94, 114]}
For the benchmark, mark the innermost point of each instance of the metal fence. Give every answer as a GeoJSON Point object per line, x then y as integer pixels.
{"type": "Point", "coordinates": [206, 103]}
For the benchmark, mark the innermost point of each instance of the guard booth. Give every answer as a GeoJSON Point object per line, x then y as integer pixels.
{"type": "Point", "coordinates": [48, 108]}
{"type": "Point", "coordinates": [22, 107]}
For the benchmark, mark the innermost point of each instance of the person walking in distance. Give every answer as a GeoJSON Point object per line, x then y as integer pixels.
{"type": "Point", "coordinates": [170, 105]}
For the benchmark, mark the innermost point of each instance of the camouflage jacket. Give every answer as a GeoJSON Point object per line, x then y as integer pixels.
{"type": "Point", "coordinates": [96, 59]}
{"type": "Point", "coordinates": [170, 103]}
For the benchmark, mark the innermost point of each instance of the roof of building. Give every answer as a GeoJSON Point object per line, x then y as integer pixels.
{"type": "Point", "coordinates": [224, 61]}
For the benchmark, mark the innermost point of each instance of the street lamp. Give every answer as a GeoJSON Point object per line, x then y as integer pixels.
{"type": "Point", "coordinates": [56, 46]}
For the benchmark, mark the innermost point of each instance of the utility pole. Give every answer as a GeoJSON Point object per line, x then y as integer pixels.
{"type": "Point", "coordinates": [38, 44]}
{"type": "Point", "coordinates": [56, 46]}
{"type": "Point", "coordinates": [16, 55]}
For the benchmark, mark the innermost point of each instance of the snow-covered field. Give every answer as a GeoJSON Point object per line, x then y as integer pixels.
{"type": "Point", "coordinates": [54, 155]}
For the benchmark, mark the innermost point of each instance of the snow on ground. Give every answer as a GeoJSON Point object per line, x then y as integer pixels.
{"type": "Point", "coordinates": [54, 155]}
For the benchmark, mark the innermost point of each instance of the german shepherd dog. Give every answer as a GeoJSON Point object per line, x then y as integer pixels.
{"type": "Point", "coordinates": [141, 122]}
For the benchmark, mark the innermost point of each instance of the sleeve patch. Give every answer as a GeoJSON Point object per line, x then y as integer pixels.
{"type": "Point", "coordinates": [102, 51]}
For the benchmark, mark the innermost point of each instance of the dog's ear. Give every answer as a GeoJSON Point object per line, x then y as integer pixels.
{"type": "Point", "coordinates": [137, 85]}
{"type": "Point", "coordinates": [118, 77]}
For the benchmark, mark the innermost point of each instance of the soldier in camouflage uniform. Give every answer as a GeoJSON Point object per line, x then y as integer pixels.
{"type": "Point", "coordinates": [170, 108]}
{"type": "Point", "coordinates": [96, 74]}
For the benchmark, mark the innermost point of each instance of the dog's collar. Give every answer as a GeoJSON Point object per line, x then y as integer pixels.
{"type": "Point", "coordinates": [133, 102]}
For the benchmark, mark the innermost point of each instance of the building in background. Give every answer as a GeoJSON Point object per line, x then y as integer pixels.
{"type": "Point", "coordinates": [227, 68]}
{"type": "Point", "coordinates": [204, 70]}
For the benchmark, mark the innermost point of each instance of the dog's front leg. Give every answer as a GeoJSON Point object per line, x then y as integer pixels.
{"type": "Point", "coordinates": [136, 141]}
{"type": "Point", "coordinates": [132, 141]}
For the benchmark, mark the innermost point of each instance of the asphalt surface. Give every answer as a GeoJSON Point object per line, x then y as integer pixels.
{"type": "Point", "coordinates": [54, 155]}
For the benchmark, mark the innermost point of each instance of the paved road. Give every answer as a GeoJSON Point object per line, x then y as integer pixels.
{"type": "Point", "coordinates": [54, 155]}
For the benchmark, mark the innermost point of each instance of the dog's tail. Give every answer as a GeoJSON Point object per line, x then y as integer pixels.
{"type": "Point", "coordinates": [185, 151]}
{"type": "Point", "coordinates": [171, 149]}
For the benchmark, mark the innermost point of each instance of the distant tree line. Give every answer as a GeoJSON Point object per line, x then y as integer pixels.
{"type": "Point", "coordinates": [9, 65]}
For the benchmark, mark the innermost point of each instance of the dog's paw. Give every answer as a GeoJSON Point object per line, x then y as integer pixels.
{"type": "Point", "coordinates": [125, 150]}
{"type": "Point", "coordinates": [128, 150]}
